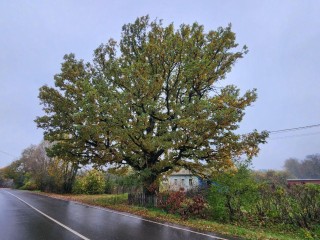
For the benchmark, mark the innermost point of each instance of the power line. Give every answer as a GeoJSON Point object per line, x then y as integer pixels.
{"type": "Point", "coordinates": [9, 154]}
{"type": "Point", "coordinates": [270, 132]}
{"type": "Point", "coordinates": [293, 136]}
{"type": "Point", "coordinates": [293, 129]}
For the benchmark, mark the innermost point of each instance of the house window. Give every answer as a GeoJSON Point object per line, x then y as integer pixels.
{"type": "Point", "coordinates": [190, 182]}
{"type": "Point", "coordinates": [182, 182]}
{"type": "Point", "coordinates": [175, 181]}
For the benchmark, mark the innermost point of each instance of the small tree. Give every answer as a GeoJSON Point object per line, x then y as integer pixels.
{"type": "Point", "coordinates": [92, 182]}
{"type": "Point", "coordinates": [16, 172]}
{"type": "Point", "coordinates": [232, 194]}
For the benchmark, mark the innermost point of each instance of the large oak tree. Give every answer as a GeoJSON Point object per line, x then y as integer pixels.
{"type": "Point", "coordinates": [151, 102]}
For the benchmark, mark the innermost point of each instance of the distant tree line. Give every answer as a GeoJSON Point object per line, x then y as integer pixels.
{"type": "Point", "coordinates": [307, 168]}
{"type": "Point", "coordinates": [35, 170]}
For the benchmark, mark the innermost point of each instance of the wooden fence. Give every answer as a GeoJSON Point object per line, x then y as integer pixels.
{"type": "Point", "coordinates": [142, 199]}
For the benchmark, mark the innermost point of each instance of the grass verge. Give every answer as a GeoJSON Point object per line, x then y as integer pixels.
{"type": "Point", "coordinates": [119, 203]}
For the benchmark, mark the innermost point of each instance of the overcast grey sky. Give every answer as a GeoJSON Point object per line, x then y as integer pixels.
{"type": "Point", "coordinates": [283, 61]}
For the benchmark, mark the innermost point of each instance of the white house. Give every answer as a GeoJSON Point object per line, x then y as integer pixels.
{"type": "Point", "coordinates": [182, 179]}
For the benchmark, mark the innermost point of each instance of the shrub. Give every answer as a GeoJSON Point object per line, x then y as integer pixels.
{"type": "Point", "coordinates": [240, 199]}
{"type": "Point", "coordinates": [232, 195]}
{"type": "Point", "coordinates": [193, 207]}
{"type": "Point", "coordinates": [304, 205]}
{"type": "Point", "coordinates": [92, 182]}
{"type": "Point", "coordinates": [171, 201]}
{"type": "Point", "coordinates": [297, 206]}
{"type": "Point", "coordinates": [178, 203]}
{"type": "Point", "coordinates": [29, 185]}
{"type": "Point", "coordinates": [78, 185]}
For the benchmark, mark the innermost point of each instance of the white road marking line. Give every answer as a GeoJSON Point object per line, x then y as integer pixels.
{"type": "Point", "coordinates": [146, 220]}
{"type": "Point", "coordinates": [52, 219]}
{"type": "Point", "coordinates": [163, 224]}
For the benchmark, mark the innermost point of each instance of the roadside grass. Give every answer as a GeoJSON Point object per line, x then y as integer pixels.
{"type": "Point", "coordinates": [119, 203]}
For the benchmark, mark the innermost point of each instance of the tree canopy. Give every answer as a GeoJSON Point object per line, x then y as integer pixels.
{"type": "Point", "coordinates": [151, 102]}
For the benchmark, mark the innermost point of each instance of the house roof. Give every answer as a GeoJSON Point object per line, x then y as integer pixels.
{"type": "Point", "coordinates": [182, 172]}
{"type": "Point", "coordinates": [303, 179]}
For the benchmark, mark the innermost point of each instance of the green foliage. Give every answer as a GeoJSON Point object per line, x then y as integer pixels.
{"type": "Point", "coordinates": [15, 172]}
{"type": "Point", "coordinates": [233, 194]}
{"type": "Point", "coordinates": [239, 198]}
{"type": "Point", "coordinates": [130, 182]}
{"type": "Point", "coordinates": [108, 200]}
{"type": "Point", "coordinates": [298, 205]}
{"type": "Point", "coordinates": [92, 182]}
{"type": "Point", "coordinates": [151, 102]}
{"type": "Point", "coordinates": [125, 182]}
{"type": "Point", "coordinates": [29, 184]}
{"type": "Point", "coordinates": [109, 186]}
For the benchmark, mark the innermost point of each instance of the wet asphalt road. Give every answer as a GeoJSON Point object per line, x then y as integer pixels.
{"type": "Point", "coordinates": [24, 215]}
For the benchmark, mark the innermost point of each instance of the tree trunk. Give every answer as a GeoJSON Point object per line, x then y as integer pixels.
{"type": "Point", "coordinates": [70, 178]}
{"type": "Point", "coordinates": [150, 185]}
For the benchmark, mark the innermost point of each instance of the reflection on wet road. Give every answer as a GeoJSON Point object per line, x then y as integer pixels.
{"type": "Point", "coordinates": [24, 215]}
